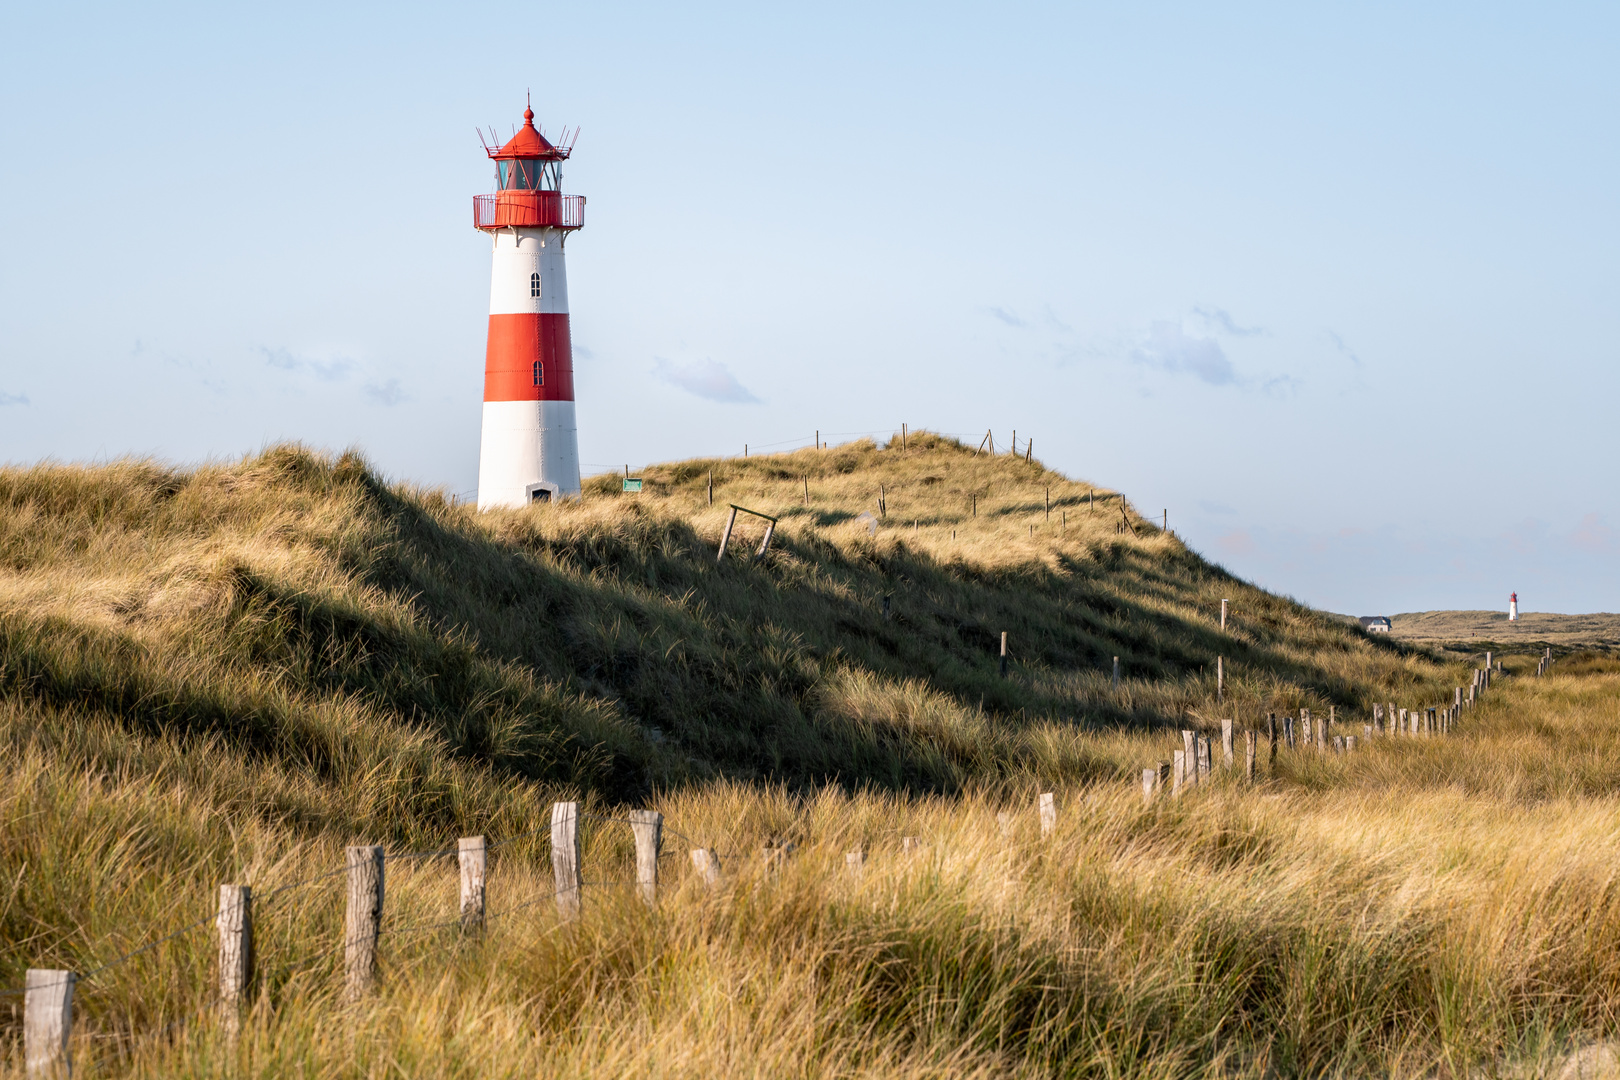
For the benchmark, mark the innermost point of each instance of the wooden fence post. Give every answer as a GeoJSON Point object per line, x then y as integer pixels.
{"type": "Point", "coordinates": [1248, 755]}
{"type": "Point", "coordinates": [1223, 615]}
{"type": "Point", "coordinates": [725, 537]}
{"type": "Point", "coordinates": [1271, 738]}
{"type": "Point", "coordinates": [235, 922]}
{"type": "Point", "coordinates": [1220, 678]}
{"type": "Point", "coordinates": [648, 827]}
{"type": "Point", "coordinates": [1178, 773]}
{"type": "Point", "coordinates": [472, 856]}
{"type": "Point", "coordinates": [1004, 654]}
{"type": "Point", "coordinates": [1048, 811]}
{"type": "Point", "coordinates": [362, 919]}
{"type": "Point", "coordinates": [565, 869]}
{"type": "Point", "coordinates": [1204, 756]}
{"type": "Point", "coordinates": [707, 862]}
{"type": "Point", "coordinates": [1150, 780]}
{"type": "Point", "coordinates": [1116, 673]}
{"type": "Point", "coordinates": [1226, 743]}
{"type": "Point", "coordinates": [1189, 747]}
{"type": "Point", "coordinates": [47, 1022]}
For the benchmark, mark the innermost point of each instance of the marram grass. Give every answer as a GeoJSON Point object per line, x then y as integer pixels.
{"type": "Point", "coordinates": [228, 674]}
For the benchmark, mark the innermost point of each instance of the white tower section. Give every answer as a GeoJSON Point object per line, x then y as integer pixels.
{"type": "Point", "coordinates": [530, 445]}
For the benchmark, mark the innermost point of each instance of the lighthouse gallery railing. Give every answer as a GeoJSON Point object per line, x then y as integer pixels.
{"type": "Point", "coordinates": [531, 209]}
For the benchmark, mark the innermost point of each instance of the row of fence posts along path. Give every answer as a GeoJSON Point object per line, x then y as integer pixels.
{"type": "Point", "coordinates": [48, 993]}
{"type": "Point", "coordinates": [1192, 764]}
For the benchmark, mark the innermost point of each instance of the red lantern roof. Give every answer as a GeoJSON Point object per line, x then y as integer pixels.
{"type": "Point", "coordinates": [529, 143]}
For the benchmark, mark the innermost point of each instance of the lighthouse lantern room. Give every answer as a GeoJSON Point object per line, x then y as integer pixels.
{"type": "Point", "coordinates": [529, 449]}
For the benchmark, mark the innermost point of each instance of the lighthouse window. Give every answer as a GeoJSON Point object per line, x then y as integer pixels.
{"type": "Point", "coordinates": [539, 376]}
{"type": "Point", "coordinates": [519, 175]}
{"type": "Point", "coordinates": [534, 284]}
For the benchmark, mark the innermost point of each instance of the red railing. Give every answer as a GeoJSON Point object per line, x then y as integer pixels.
{"type": "Point", "coordinates": [528, 209]}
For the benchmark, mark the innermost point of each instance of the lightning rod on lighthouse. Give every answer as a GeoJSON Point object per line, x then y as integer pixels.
{"type": "Point", "coordinates": [529, 449]}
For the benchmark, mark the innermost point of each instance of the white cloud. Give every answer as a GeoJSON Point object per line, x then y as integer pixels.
{"type": "Point", "coordinates": [1338, 343]}
{"type": "Point", "coordinates": [13, 399]}
{"type": "Point", "coordinates": [1170, 348]}
{"type": "Point", "coordinates": [385, 393]}
{"type": "Point", "coordinates": [1220, 319]}
{"type": "Point", "coordinates": [332, 370]}
{"type": "Point", "coordinates": [707, 379]}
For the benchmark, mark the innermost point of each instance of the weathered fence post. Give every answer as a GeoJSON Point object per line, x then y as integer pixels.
{"type": "Point", "coordinates": [1116, 673]}
{"type": "Point", "coordinates": [1226, 743]}
{"type": "Point", "coordinates": [1220, 678]}
{"type": "Point", "coordinates": [362, 919]}
{"type": "Point", "coordinates": [1150, 780]}
{"type": "Point", "coordinates": [707, 862]}
{"type": "Point", "coordinates": [648, 828]}
{"type": "Point", "coordinates": [1004, 654]}
{"type": "Point", "coordinates": [47, 1022]}
{"type": "Point", "coordinates": [776, 857]}
{"type": "Point", "coordinates": [1350, 743]}
{"type": "Point", "coordinates": [565, 869]}
{"type": "Point", "coordinates": [1271, 737]}
{"type": "Point", "coordinates": [1189, 746]}
{"type": "Point", "coordinates": [725, 536]}
{"type": "Point", "coordinates": [1178, 773]}
{"type": "Point", "coordinates": [1248, 754]}
{"type": "Point", "coordinates": [1048, 811]}
{"type": "Point", "coordinates": [472, 857]}
{"type": "Point", "coordinates": [235, 922]}
{"type": "Point", "coordinates": [1290, 736]}
{"type": "Point", "coordinates": [1223, 615]}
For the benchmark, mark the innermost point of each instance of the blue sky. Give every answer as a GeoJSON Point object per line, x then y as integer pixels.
{"type": "Point", "coordinates": [1335, 284]}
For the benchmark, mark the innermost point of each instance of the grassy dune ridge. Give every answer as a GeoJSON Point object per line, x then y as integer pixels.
{"type": "Point", "coordinates": [228, 673]}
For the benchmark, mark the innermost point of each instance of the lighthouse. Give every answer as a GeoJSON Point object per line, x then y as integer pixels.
{"type": "Point", "coordinates": [1513, 607]}
{"type": "Point", "coordinates": [529, 449]}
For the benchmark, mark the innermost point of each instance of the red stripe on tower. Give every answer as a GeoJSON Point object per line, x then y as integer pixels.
{"type": "Point", "coordinates": [516, 344]}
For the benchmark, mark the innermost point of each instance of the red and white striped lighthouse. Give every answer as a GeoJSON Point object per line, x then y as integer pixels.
{"type": "Point", "coordinates": [529, 451]}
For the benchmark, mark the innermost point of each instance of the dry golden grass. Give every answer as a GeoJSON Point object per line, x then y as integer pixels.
{"type": "Point", "coordinates": [228, 674]}
{"type": "Point", "coordinates": [1481, 629]}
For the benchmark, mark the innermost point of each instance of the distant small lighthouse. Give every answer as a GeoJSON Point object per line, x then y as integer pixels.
{"type": "Point", "coordinates": [1513, 607]}
{"type": "Point", "coordinates": [529, 450]}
